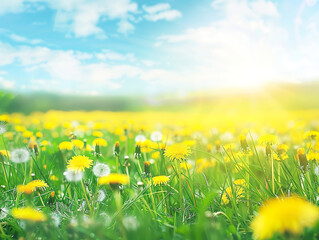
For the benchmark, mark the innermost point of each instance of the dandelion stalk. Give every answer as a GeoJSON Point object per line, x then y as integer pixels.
{"type": "Point", "coordinates": [2, 161]}
{"type": "Point", "coordinates": [86, 198]}
{"type": "Point", "coordinates": [178, 167]}
{"type": "Point", "coordinates": [4, 170]}
{"type": "Point", "coordinates": [41, 200]}
{"type": "Point", "coordinates": [279, 179]}
{"type": "Point", "coordinates": [117, 164]}
{"type": "Point", "coordinates": [272, 174]}
{"type": "Point", "coordinates": [248, 180]}
{"type": "Point", "coordinates": [118, 202]}
{"type": "Point", "coordinates": [152, 198]}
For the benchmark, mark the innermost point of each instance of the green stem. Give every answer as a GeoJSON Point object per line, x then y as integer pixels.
{"type": "Point", "coordinates": [117, 164]}
{"type": "Point", "coordinates": [272, 175]}
{"type": "Point", "coordinates": [180, 187]}
{"type": "Point", "coordinates": [86, 198]}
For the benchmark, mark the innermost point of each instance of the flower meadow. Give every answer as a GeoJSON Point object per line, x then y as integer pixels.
{"type": "Point", "coordinates": [159, 175]}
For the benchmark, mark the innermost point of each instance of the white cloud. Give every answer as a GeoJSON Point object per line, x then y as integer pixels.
{"type": "Point", "coordinates": [67, 70]}
{"type": "Point", "coordinates": [12, 6]}
{"type": "Point", "coordinates": [82, 17]}
{"type": "Point", "coordinates": [161, 76]}
{"type": "Point", "coordinates": [161, 11]}
{"type": "Point", "coordinates": [157, 8]}
{"type": "Point", "coordinates": [114, 56]}
{"type": "Point", "coordinates": [19, 38]}
{"type": "Point", "coordinates": [125, 27]}
{"type": "Point", "coordinates": [246, 46]}
{"type": "Point", "coordinates": [6, 84]}
{"type": "Point", "coordinates": [79, 17]}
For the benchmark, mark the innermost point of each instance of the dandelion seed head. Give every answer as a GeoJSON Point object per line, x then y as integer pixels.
{"type": "Point", "coordinates": [56, 219]}
{"type": "Point", "coordinates": [140, 138]}
{"type": "Point", "coordinates": [20, 155]}
{"type": "Point", "coordinates": [101, 170]}
{"type": "Point", "coordinates": [3, 127]}
{"type": "Point", "coordinates": [130, 223]}
{"type": "Point", "coordinates": [100, 195]}
{"type": "Point", "coordinates": [73, 176]}
{"type": "Point", "coordinates": [156, 136]}
{"type": "Point", "coordinates": [3, 213]}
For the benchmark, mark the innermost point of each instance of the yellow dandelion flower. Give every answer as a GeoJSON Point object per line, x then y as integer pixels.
{"type": "Point", "coordinates": [156, 155]}
{"type": "Point", "coordinates": [4, 118]}
{"type": "Point", "coordinates": [78, 143]}
{"type": "Point", "coordinates": [27, 134]}
{"type": "Point", "coordinates": [119, 131]}
{"type": "Point", "coordinates": [237, 192]}
{"type": "Point", "coordinates": [35, 184]}
{"type": "Point", "coordinates": [147, 146]}
{"type": "Point", "coordinates": [189, 143]}
{"type": "Point", "coordinates": [209, 147]}
{"type": "Point", "coordinates": [32, 186]}
{"type": "Point", "coordinates": [65, 146]}
{"type": "Point", "coordinates": [240, 182]}
{"type": "Point", "coordinates": [5, 153]}
{"type": "Point", "coordinates": [88, 148]}
{"type": "Point", "coordinates": [20, 128]}
{"type": "Point", "coordinates": [311, 135]}
{"type": "Point", "coordinates": [67, 125]}
{"type": "Point", "coordinates": [177, 151]}
{"type": "Point", "coordinates": [97, 134]}
{"type": "Point", "coordinates": [290, 214]}
{"type": "Point", "coordinates": [24, 189]}
{"type": "Point", "coordinates": [114, 178]}
{"type": "Point", "coordinates": [313, 156]}
{"type": "Point", "coordinates": [282, 148]}
{"type": "Point", "coordinates": [268, 139]}
{"type": "Point", "coordinates": [39, 134]}
{"type": "Point", "coordinates": [159, 180]}
{"type": "Point", "coordinates": [45, 143]}
{"type": "Point", "coordinates": [186, 165]}
{"type": "Point", "coordinates": [100, 142]}
{"type": "Point", "coordinates": [79, 163]}
{"type": "Point", "coordinates": [49, 125]}
{"type": "Point", "coordinates": [280, 157]}
{"type": "Point", "coordinates": [29, 214]}
{"type": "Point", "coordinates": [54, 178]}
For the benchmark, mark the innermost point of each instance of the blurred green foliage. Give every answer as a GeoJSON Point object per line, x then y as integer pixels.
{"type": "Point", "coordinates": [5, 100]}
{"type": "Point", "coordinates": [286, 95]}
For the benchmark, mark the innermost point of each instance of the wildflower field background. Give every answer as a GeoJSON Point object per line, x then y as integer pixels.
{"type": "Point", "coordinates": [242, 170]}
{"type": "Point", "coordinates": [170, 119]}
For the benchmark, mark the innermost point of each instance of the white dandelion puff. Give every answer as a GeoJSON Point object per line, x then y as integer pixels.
{"type": "Point", "coordinates": [107, 220]}
{"type": "Point", "coordinates": [55, 219]}
{"type": "Point", "coordinates": [20, 155]}
{"type": "Point", "coordinates": [101, 170]}
{"type": "Point", "coordinates": [156, 136]}
{"type": "Point", "coordinates": [101, 196]}
{"type": "Point", "coordinates": [130, 223]}
{"type": "Point", "coordinates": [73, 176]}
{"type": "Point", "coordinates": [3, 127]}
{"type": "Point", "coordinates": [140, 138]}
{"type": "Point", "coordinates": [3, 213]}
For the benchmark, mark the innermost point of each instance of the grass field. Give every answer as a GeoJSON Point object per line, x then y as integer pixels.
{"type": "Point", "coordinates": [160, 175]}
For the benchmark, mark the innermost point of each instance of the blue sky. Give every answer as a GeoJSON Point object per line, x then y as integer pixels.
{"type": "Point", "coordinates": [96, 47]}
